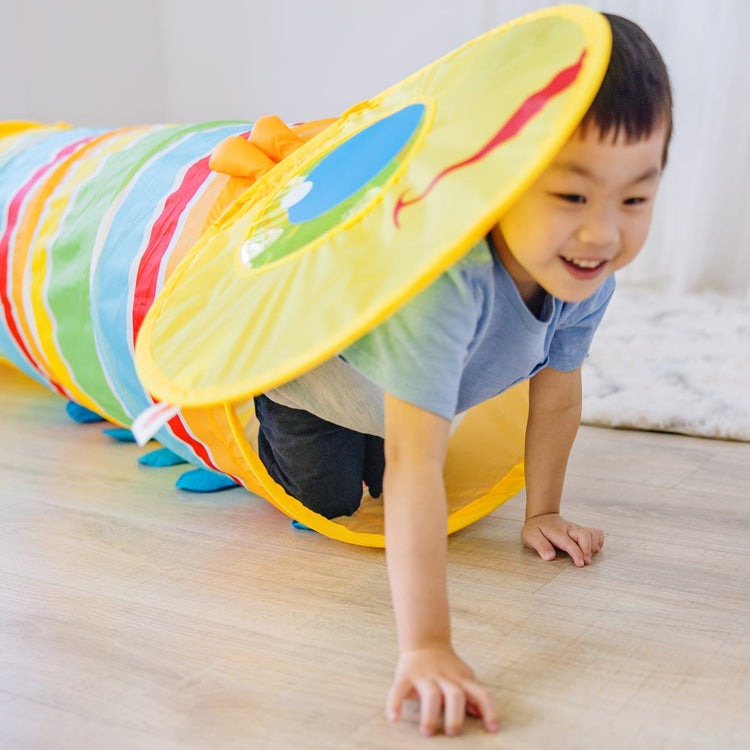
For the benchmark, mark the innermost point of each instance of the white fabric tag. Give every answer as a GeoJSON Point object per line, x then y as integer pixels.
{"type": "Point", "coordinates": [150, 421]}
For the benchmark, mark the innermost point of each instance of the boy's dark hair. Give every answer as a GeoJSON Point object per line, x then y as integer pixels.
{"type": "Point", "coordinates": [635, 95]}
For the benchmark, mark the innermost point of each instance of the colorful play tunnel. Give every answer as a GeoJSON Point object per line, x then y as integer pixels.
{"type": "Point", "coordinates": [208, 243]}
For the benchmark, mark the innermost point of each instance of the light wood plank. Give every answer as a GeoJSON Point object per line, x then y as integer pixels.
{"type": "Point", "coordinates": [134, 616]}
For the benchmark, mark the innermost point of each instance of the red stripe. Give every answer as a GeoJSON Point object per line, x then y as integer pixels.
{"type": "Point", "coordinates": [161, 237]}
{"type": "Point", "coordinates": [530, 107]}
{"type": "Point", "coordinates": [162, 233]}
{"type": "Point", "coordinates": [180, 431]}
{"type": "Point", "coordinates": [13, 215]}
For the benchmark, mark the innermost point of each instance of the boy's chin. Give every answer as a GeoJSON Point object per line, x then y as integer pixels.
{"type": "Point", "coordinates": [579, 293]}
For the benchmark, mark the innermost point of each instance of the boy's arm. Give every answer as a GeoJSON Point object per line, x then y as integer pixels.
{"type": "Point", "coordinates": [415, 529]}
{"type": "Point", "coordinates": [554, 416]}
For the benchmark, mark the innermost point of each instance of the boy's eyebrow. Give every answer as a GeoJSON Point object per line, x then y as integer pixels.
{"type": "Point", "coordinates": [571, 166]}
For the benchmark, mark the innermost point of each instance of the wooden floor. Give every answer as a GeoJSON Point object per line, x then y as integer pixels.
{"type": "Point", "coordinates": [137, 616]}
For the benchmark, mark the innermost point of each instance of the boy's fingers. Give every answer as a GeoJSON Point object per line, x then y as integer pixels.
{"type": "Point", "coordinates": [431, 701]}
{"type": "Point", "coordinates": [473, 710]}
{"type": "Point", "coordinates": [542, 545]}
{"type": "Point", "coordinates": [579, 542]}
{"type": "Point", "coordinates": [582, 537]}
{"type": "Point", "coordinates": [599, 539]}
{"type": "Point", "coordinates": [454, 710]}
{"type": "Point", "coordinates": [589, 540]}
{"type": "Point", "coordinates": [567, 544]}
{"type": "Point", "coordinates": [482, 703]}
{"type": "Point", "coordinates": [398, 693]}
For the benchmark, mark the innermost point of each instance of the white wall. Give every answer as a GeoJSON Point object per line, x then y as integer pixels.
{"type": "Point", "coordinates": [119, 62]}
{"type": "Point", "coordinates": [300, 60]}
{"type": "Point", "coordinates": [90, 62]}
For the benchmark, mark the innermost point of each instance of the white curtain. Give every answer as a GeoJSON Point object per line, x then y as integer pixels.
{"type": "Point", "coordinates": [115, 62]}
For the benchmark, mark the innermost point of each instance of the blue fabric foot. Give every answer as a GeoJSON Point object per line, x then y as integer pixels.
{"type": "Point", "coordinates": [120, 433]}
{"type": "Point", "coordinates": [203, 480]}
{"type": "Point", "coordinates": [301, 526]}
{"type": "Point", "coordinates": [161, 457]}
{"type": "Point", "coordinates": [81, 414]}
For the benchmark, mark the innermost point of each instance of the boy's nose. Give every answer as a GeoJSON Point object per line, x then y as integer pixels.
{"type": "Point", "coordinates": [600, 229]}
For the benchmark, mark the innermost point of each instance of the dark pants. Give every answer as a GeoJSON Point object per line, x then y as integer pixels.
{"type": "Point", "coordinates": [319, 463]}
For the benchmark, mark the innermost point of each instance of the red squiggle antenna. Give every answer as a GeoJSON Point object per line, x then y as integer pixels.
{"type": "Point", "coordinates": [563, 80]}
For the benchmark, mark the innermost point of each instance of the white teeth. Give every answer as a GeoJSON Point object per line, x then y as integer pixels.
{"type": "Point", "coordinates": [584, 263]}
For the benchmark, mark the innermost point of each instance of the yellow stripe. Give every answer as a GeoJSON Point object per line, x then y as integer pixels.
{"type": "Point", "coordinates": [46, 212]}
{"type": "Point", "coordinates": [12, 127]}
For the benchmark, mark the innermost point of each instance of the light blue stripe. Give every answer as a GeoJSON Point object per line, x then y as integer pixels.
{"type": "Point", "coordinates": [17, 166]}
{"type": "Point", "coordinates": [112, 284]}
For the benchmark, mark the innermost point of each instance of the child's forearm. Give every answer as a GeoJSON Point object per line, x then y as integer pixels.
{"type": "Point", "coordinates": [554, 417]}
{"type": "Point", "coordinates": [416, 548]}
{"type": "Point", "coordinates": [415, 528]}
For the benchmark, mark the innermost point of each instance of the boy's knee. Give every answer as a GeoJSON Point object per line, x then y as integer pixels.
{"type": "Point", "coordinates": [318, 463]}
{"type": "Point", "coordinates": [330, 493]}
{"type": "Point", "coordinates": [330, 496]}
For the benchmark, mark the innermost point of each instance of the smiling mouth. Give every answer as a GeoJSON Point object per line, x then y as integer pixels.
{"type": "Point", "coordinates": [584, 264]}
{"type": "Point", "coordinates": [584, 269]}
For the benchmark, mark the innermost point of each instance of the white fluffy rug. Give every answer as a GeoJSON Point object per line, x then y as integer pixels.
{"type": "Point", "coordinates": [671, 363]}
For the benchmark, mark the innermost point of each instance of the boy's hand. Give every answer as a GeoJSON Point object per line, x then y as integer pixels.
{"type": "Point", "coordinates": [546, 532]}
{"type": "Point", "coordinates": [442, 683]}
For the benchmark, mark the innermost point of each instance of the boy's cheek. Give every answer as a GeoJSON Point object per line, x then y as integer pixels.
{"type": "Point", "coordinates": [641, 239]}
{"type": "Point", "coordinates": [627, 258]}
{"type": "Point", "coordinates": [636, 240]}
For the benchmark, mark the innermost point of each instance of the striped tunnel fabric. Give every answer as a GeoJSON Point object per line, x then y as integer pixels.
{"type": "Point", "coordinates": [92, 223]}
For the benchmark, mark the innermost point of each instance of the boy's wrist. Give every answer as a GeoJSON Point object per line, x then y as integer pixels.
{"type": "Point", "coordinates": [532, 516]}
{"type": "Point", "coordinates": [542, 505]}
{"type": "Point", "coordinates": [419, 632]}
{"type": "Point", "coordinates": [427, 643]}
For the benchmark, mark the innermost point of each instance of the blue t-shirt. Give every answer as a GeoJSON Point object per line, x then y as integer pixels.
{"type": "Point", "coordinates": [462, 340]}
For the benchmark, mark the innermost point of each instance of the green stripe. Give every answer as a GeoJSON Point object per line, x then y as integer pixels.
{"type": "Point", "coordinates": [71, 252]}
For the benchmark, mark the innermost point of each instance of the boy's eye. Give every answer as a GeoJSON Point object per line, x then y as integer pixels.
{"type": "Point", "coordinates": [634, 201]}
{"type": "Point", "coordinates": [570, 197]}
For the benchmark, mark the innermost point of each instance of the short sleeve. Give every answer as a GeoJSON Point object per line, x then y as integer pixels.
{"type": "Point", "coordinates": [419, 353]}
{"type": "Point", "coordinates": [576, 327]}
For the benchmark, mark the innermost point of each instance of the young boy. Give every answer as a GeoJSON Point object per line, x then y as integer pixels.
{"type": "Point", "coordinates": [522, 304]}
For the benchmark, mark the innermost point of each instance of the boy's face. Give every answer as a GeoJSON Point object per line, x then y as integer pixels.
{"type": "Point", "coordinates": [585, 217]}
